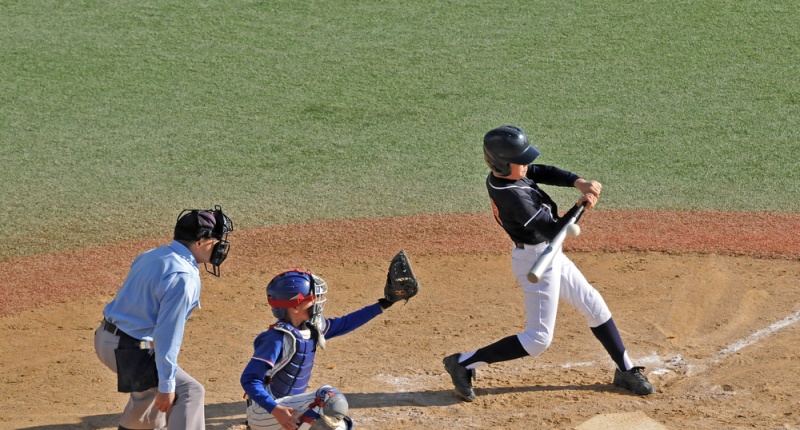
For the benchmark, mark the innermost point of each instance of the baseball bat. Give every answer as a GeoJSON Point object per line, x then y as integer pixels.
{"type": "Point", "coordinates": [546, 258]}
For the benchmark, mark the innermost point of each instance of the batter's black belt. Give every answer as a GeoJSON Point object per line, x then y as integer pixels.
{"type": "Point", "coordinates": [521, 245]}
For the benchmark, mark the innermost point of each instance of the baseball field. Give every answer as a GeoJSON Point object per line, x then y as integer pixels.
{"type": "Point", "coordinates": [337, 133]}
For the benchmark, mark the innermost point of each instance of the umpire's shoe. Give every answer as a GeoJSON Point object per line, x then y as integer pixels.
{"type": "Point", "coordinates": [461, 376]}
{"type": "Point", "coordinates": [634, 380]}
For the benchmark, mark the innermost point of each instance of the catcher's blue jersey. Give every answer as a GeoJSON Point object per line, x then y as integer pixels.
{"type": "Point", "coordinates": [268, 350]}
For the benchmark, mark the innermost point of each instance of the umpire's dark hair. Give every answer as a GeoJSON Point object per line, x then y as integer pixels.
{"type": "Point", "coordinates": [193, 225]}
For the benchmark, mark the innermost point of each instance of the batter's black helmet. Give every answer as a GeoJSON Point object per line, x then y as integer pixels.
{"type": "Point", "coordinates": [505, 145]}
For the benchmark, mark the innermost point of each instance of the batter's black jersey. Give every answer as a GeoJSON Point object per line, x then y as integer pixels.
{"type": "Point", "coordinates": [523, 209]}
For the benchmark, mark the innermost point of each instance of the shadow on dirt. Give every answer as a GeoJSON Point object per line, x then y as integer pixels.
{"type": "Point", "coordinates": [600, 388]}
{"type": "Point", "coordinates": [447, 397]}
{"type": "Point", "coordinates": [231, 415]}
{"type": "Point", "coordinates": [218, 416]}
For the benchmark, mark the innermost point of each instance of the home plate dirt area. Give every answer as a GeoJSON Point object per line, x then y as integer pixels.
{"type": "Point", "coordinates": [708, 303]}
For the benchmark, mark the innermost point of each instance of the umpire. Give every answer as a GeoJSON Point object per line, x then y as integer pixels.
{"type": "Point", "coordinates": [142, 329]}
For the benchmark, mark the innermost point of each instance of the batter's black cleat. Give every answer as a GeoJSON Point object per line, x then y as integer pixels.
{"type": "Point", "coordinates": [461, 376]}
{"type": "Point", "coordinates": [634, 380]}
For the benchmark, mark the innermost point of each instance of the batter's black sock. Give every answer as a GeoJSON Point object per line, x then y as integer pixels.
{"type": "Point", "coordinates": [505, 349]}
{"type": "Point", "coordinates": [608, 335]}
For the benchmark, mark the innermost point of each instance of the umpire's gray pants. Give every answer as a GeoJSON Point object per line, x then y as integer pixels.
{"type": "Point", "coordinates": [188, 411]}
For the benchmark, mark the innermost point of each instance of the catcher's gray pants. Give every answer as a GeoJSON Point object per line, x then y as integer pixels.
{"type": "Point", "coordinates": [562, 280]}
{"type": "Point", "coordinates": [188, 411]}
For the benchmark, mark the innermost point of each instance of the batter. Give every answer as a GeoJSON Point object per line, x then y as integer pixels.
{"type": "Point", "coordinates": [530, 217]}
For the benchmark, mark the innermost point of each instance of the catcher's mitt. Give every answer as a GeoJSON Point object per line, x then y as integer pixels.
{"type": "Point", "coordinates": [401, 284]}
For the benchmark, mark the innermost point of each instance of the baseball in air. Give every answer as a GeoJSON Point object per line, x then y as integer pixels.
{"type": "Point", "coordinates": [573, 230]}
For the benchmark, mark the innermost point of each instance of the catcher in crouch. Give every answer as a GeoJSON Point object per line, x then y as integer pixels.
{"type": "Point", "coordinates": [276, 378]}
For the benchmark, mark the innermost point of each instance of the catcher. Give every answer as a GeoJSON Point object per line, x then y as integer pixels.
{"type": "Point", "coordinates": [277, 376]}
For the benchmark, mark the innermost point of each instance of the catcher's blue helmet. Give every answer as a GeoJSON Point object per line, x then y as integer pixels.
{"type": "Point", "coordinates": [294, 287]}
{"type": "Point", "coordinates": [505, 145]}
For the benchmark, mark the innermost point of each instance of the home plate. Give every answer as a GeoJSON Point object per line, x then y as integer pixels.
{"type": "Point", "coordinates": [622, 421]}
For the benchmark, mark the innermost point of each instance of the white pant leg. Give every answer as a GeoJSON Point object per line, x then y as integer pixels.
{"type": "Point", "coordinates": [579, 293]}
{"type": "Point", "coordinates": [541, 298]}
{"type": "Point", "coordinates": [562, 280]}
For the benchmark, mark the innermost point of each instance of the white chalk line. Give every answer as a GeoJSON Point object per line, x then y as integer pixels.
{"type": "Point", "coordinates": [760, 334]}
{"type": "Point", "coordinates": [662, 365]}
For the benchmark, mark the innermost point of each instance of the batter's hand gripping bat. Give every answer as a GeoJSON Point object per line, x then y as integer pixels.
{"type": "Point", "coordinates": [546, 258]}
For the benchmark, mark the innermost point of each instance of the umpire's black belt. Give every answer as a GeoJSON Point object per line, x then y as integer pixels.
{"type": "Point", "coordinates": [126, 341]}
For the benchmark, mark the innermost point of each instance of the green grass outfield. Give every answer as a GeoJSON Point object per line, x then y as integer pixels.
{"type": "Point", "coordinates": [116, 115]}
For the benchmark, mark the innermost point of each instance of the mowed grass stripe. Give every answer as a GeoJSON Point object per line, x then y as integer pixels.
{"type": "Point", "coordinates": [115, 115]}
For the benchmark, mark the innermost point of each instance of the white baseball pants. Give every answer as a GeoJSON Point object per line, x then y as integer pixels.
{"type": "Point", "coordinates": [562, 280]}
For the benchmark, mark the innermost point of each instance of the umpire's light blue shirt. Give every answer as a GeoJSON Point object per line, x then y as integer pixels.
{"type": "Point", "coordinates": [155, 301]}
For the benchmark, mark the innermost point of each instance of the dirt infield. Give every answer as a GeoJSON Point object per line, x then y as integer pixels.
{"type": "Point", "coordinates": [708, 302]}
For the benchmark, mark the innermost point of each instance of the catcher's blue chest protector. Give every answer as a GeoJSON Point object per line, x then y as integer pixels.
{"type": "Point", "coordinates": [292, 378]}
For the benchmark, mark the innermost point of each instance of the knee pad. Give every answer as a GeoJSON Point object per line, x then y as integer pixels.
{"type": "Point", "coordinates": [535, 344]}
{"type": "Point", "coordinates": [332, 410]}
